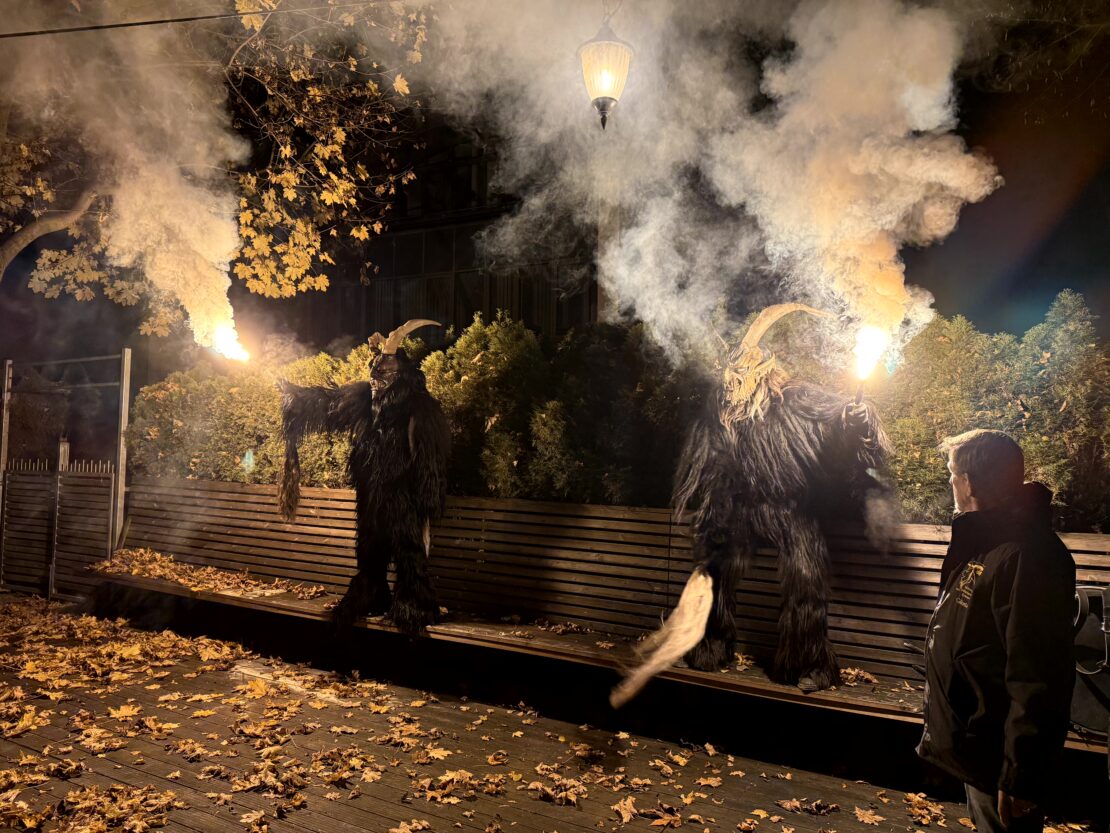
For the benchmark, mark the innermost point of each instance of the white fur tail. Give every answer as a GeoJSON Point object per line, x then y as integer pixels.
{"type": "Point", "coordinates": [683, 630]}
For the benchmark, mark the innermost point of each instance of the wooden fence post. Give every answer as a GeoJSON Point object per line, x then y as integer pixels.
{"type": "Point", "coordinates": [5, 412]}
{"type": "Point", "coordinates": [52, 552]}
{"type": "Point", "coordinates": [120, 497]}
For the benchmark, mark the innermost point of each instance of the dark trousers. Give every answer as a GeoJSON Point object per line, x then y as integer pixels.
{"type": "Point", "coordinates": [983, 809]}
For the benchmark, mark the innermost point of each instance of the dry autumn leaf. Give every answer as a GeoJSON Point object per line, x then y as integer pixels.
{"type": "Point", "coordinates": [626, 809]}
{"type": "Point", "coordinates": [868, 816]}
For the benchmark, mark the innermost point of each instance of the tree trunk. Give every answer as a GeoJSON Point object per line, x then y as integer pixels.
{"type": "Point", "coordinates": [47, 223]}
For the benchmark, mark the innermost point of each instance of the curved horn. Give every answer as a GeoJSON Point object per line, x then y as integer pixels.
{"type": "Point", "coordinates": [769, 316]}
{"type": "Point", "coordinates": [398, 335]}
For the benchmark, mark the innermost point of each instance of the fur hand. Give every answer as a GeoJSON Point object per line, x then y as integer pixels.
{"type": "Point", "coordinates": [856, 418]}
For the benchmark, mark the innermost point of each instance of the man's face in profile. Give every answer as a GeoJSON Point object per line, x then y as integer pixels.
{"type": "Point", "coordinates": [961, 486]}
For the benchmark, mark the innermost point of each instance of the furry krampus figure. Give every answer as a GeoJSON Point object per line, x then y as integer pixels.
{"type": "Point", "coordinates": [398, 464]}
{"type": "Point", "coordinates": [770, 460]}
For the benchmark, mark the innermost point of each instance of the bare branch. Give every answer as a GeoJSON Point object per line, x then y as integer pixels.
{"type": "Point", "coordinates": [47, 223]}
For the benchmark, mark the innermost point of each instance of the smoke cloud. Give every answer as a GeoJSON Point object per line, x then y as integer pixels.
{"type": "Point", "coordinates": [760, 150]}
{"type": "Point", "coordinates": [146, 107]}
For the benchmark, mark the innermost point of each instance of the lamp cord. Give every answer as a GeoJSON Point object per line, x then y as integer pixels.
{"type": "Point", "coordinates": [609, 13]}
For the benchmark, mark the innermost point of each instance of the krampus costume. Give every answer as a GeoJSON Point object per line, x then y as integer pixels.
{"type": "Point", "coordinates": [398, 464]}
{"type": "Point", "coordinates": [771, 458]}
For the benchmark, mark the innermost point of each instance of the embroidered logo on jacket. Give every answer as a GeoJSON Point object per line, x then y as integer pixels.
{"type": "Point", "coordinates": [966, 584]}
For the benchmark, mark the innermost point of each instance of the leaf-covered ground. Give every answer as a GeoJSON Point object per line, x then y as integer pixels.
{"type": "Point", "coordinates": [104, 727]}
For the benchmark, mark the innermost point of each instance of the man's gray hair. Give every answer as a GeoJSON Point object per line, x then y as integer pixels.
{"type": "Point", "coordinates": [992, 461]}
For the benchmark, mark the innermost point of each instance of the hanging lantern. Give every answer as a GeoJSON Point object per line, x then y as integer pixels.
{"type": "Point", "coordinates": [605, 60]}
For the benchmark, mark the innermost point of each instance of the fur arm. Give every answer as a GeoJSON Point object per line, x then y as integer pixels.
{"type": "Point", "coordinates": [310, 410]}
{"type": "Point", "coordinates": [692, 470]}
{"type": "Point", "coordinates": [429, 438]}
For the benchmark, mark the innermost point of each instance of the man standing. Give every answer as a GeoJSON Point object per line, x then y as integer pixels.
{"type": "Point", "coordinates": [999, 659]}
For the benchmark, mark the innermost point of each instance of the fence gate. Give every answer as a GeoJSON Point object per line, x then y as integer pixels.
{"type": "Point", "coordinates": [54, 524]}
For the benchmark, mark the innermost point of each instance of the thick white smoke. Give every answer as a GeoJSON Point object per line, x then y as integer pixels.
{"type": "Point", "coordinates": [813, 167]}
{"type": "Point", "coordinates": [855, 159]}
{"type": "Point", "coordinates": [147, 109]}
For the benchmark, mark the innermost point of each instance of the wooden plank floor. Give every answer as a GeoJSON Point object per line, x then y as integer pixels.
{"type": "Point", "coordinates": [893, 699]}
{"type": "Point", "coordinates": [231, 735]}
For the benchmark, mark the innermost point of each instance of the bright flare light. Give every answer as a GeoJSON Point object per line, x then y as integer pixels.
{"type": "Point", "coordinates": [871, 342]}
{"type": "Point", "coordinates": [226, 341]}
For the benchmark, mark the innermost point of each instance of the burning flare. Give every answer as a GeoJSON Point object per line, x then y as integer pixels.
{"type": "Point", "coordinates": [871, 343]}
{"type": "Point", "coordinates": [226, 342]}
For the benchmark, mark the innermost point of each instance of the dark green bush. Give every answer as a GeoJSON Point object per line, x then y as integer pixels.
{"type": "Point", "coordinates": [600, 416]}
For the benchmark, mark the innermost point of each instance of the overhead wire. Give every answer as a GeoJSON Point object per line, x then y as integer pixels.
{"type": "Point", "coordinates": [97, 27]}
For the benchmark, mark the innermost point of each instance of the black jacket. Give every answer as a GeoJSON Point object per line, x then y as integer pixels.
{"type": "Point", "coordinates": [999, 657]}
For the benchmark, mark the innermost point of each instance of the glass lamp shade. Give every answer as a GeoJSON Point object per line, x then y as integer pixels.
{"type": "Point", "coordinates": [605, 61]}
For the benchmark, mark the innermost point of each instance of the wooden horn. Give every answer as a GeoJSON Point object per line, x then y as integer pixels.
{"type": "Point", "coordinates": [764, 321]}
{"type": "Point", "coordinates": [398, 335]}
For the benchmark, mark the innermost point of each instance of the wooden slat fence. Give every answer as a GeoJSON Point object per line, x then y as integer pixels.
{"type": "Point", "coordinates": [83, 526]}
{"type": "Point", "coordinates": [27, 518]}
{"type": "Point", "coordinates": [613, 569]}
{"type": "Point", "coordinates": [56, 522]}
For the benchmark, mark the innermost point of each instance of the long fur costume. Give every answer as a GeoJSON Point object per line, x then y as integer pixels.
{"type": "Point", "coordinates": [400, 442]}
{"type": "Point", "coordinates": [770, 470]}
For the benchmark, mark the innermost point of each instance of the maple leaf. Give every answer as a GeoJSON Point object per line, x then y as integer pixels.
{"type": "Point", "coordinates": [626, 809]}
{"type": "Point", "coordinates": [204, 712]}
{"type": "Point", "coordinates": [125, 712]}
{"type": "Point", "coordinates": [968, 823]}
{"type": "Point", "coordinates": [255, 688]}
{"type": "Point", "coordinates": [868, 816]}
{"type": "Point", "coordinates": [411, 826]}
{"type": "Point", "coordinates": [709, 782]}
{"type": "Point", "coordinates": [256, 821]}
{"type": "Point", "coordinates": [664, 816]}
{"type": "Point", "coordinates": [401, 85]}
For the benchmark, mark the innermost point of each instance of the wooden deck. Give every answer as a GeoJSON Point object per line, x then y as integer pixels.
{"type": "Point", "coordinates": [232, 735]}
{"type": "Point", "coordinates": [890, 698]}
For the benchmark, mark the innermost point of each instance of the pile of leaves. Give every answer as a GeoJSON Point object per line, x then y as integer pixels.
{"type": "Point", "coordinates": [148, 563]}
{"type": "Point", "coordinates": [60, 653]}
{"type": "Point", "coordinates": [92, 809]}
{"type": "Point", "coordinates": [855, 676]}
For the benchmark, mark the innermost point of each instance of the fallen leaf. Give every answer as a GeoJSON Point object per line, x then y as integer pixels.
{"type": "Point", "coordinates": [868, 816]}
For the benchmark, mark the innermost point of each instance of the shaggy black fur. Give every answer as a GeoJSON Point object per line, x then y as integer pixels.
{"type": "Point", "coordinates": [400, 442]}
{"type": "Point", "coordinates": [775, 479]}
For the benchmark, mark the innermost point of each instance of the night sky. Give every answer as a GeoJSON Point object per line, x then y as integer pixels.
{"type": "Point", "coordinates": [1048, 227]}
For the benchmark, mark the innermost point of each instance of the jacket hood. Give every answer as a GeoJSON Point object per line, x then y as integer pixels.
{"type": "Point", "coordinates": [1035, 500]}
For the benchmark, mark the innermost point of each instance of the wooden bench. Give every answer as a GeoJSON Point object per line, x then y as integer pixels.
{"type": "Point", "coordinates": [499, 565]}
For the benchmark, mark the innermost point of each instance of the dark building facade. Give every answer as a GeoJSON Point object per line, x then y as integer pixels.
{"type": "Point", "coordinates": [428, 262]}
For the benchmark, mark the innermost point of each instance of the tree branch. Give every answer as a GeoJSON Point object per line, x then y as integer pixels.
{"type": "Point", "coordinates": [47, 223]}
